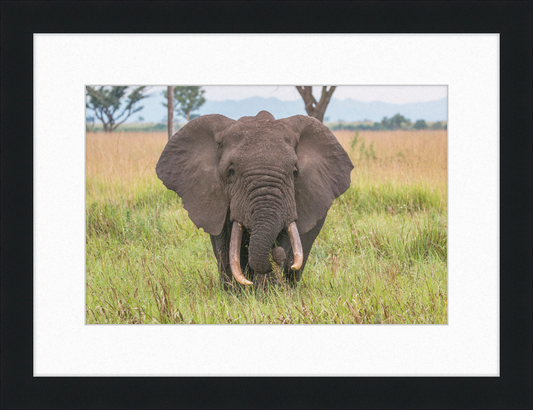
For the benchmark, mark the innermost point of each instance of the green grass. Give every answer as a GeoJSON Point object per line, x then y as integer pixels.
{"type": "Point", "coordinates": [380, 258]}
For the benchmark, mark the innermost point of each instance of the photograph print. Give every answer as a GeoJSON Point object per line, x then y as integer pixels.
{"type": "Point", "coordinates": [266, 204]}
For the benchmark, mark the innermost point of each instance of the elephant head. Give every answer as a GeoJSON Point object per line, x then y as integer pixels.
{"type": "Point", "coordinates": [263, 176]}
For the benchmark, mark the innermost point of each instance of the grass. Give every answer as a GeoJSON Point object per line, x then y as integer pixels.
{"type": "Point", "coordinates": [380, 258]}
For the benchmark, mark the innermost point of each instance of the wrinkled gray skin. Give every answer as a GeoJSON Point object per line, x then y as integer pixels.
{"type": "Point", "coordinates": [264, 174]}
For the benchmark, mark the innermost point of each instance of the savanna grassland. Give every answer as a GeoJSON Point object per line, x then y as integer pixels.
{"type": "Point", "coordinates": [380, 258]}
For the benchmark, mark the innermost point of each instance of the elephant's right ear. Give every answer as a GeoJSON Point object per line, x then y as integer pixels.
{"type": "Point", "coordinates": [324, 170]}
{"type": "Point", "coordinates": [189, 166]}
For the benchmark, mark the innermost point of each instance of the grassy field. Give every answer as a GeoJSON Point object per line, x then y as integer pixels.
{"type": "Point", "coordinates": [380, 258]}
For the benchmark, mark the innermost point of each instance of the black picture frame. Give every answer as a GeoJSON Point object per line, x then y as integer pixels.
{"type": "Point", "coordinates": [21, 19]}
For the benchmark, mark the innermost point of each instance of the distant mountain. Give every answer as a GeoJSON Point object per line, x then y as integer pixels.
{"type": "Point", "coordinates": [347, 110]}
{"type": "Point", "coordinates": [251, 106]}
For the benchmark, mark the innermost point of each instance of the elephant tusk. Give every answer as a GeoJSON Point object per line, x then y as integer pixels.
{"type": "Point", "coordinates": [296, 246]}
{"type": "Point", "coordinates": [235, 254]}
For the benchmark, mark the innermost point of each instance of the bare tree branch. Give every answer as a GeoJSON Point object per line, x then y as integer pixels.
{"type": "Point", "coordinates": [312, 107]}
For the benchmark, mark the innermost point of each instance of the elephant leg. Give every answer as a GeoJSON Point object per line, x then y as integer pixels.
{"type": "Point", "coordinates": [220, 245]}
{"type": "Point", "coordinates": [220, 249]}
{"type": "Point", "coordinates": [307, 240]}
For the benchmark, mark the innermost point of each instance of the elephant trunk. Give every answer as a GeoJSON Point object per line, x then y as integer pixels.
{"type": "Point", "coordinates": [265, 230]}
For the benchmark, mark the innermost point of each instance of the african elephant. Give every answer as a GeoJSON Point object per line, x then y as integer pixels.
{"type": "Point", "coordinates": [260, 187]}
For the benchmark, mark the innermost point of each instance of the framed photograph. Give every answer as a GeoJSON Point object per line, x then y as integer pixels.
{"type": "Point", "coordinates": [458, 340]}
{"type": "Point", "coordinates": [349, 191]}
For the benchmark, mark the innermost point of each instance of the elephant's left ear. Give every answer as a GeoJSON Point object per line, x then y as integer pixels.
{"type": "Point", "coordinates": [323, 170]}
{"type": "Point", "coordinates": [189, 166]}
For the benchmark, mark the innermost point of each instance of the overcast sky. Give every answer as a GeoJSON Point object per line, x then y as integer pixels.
{"type": "Point", "coordinates": [398, 94]}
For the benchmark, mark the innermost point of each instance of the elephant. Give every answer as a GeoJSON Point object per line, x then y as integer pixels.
{"type": "Point", "coordinates": [260, 187]}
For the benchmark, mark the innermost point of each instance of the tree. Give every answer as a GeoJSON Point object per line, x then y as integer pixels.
{"type": "Point", "coordinates": [440, 125]}
{"type": "Point", "coordinates": [106, 102]}
{"type": "Point", "coordinates": [395, 123]}
{"type": "Point", "coordinates": [312, 107]}
{"type": "Point", "coordinates": [170, 115]}
{"type": "Point", "coordinates": [420, 125]}
{"type": "Point", "coordinates": [89, 124]}
{"type": "Point", "coordinates": [187, 99]}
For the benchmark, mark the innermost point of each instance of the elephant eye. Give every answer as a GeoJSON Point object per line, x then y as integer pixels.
{"type": "Point", "coordinates": [295, 173]}
{"type": "Point", "coordinates": [231, 172]}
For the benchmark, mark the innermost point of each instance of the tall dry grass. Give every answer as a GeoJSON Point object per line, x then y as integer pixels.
{"type": "Point", "coordinates": [120, 163]}
{"type": "Point", "coordinates": [402, 156]}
